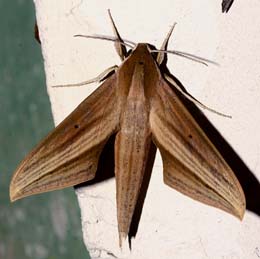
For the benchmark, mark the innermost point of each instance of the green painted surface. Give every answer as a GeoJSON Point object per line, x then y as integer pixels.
{"type": "Point", "coordinates": [45, 226]}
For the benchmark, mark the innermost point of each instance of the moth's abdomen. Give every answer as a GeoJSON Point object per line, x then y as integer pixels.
{"type": "Point", "coordinates": [132, 142]}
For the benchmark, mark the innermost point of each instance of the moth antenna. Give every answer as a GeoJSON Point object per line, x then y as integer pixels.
{"type": "Point", "coordinates": [177, 52]}
{"type": "Point", "coordinates": [120, 48]}
{"type": "Point", "coordinates": [162, 55]}
{"type": "Point", "coordinates": [192, 99]}
{"type": "Point", "coordinates": [186, 55]}
{"type": "Point", "coordinates": [98, 78]}
{"type": "Point", "coordinates": [126, 43]}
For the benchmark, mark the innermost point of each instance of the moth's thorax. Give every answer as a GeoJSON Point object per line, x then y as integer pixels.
{"type": "Point", "coordinates": [139, 74]}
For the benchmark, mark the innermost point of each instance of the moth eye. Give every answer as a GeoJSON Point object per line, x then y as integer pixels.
{"type": "Point", "coordinates": [76, 126]}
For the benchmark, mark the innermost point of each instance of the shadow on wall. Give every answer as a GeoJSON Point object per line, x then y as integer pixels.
{"type": "Point", "coordinates": [226, 4]}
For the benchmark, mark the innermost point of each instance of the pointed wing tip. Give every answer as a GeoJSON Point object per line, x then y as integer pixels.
{"type": "Point", "coordinates": [240, 213]}
{"type": "Point", "coordinates": [14, 193]}
{"type": "Point", "coordinates": [241, 216]}
{"type": "Point", "coordinates": [17, 192]}
{"type": "Point", "coordinates": [241, 208]}
{"type": "Point", "coordinates": [13, 196]}
{"type": "Point", "coordinates": [237, 210]}
{"type": "Point", "coordinates": [14, 189]}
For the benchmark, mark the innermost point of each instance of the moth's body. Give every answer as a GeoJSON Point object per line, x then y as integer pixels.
{"type": "Point", "coordinates": [139, 107]}
{"type": "Point", "coordinates": [134, 137]}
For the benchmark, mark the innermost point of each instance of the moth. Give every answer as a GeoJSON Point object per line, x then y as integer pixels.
{"type": "Point", "coordinates": [138, 103]}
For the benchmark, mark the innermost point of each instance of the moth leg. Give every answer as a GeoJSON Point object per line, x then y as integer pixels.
{"type": "Point", "coordinates": [191, 98]}
{"type": "Point", "coordinates": [98, 78]}
{"type": "Point", "coordinates": [119, 43]}
{"type": "Point", "coordinates": [162, 56]}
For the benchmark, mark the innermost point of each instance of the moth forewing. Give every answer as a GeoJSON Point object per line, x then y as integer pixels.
{"type": "Point", "coordinates": [192, 164]}
{"type": "Point", "coordinates": [69, 154]}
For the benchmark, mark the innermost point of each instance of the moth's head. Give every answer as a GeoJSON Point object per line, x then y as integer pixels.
{"type": "Point", "coordinates": [143, 49]}
{"type": "Point", "coordinates": [143, 52]}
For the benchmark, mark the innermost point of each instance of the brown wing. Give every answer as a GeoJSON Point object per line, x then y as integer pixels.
{"type": "Point", "coordinates": [69, 154]}
{"type": "Point", "coordinates": [191, 163]}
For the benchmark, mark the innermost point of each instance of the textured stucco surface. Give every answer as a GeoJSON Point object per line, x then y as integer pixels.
{"type": "Point", "coordinates": [172, 225]}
